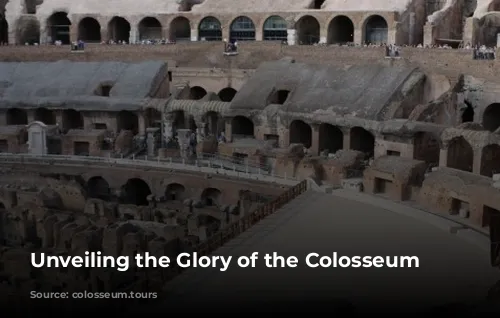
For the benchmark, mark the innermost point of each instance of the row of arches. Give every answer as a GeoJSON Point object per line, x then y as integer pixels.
{"type": "Point", "coordinates": [226, 94]}
{"type": "Point", "coordinates": [136, 191]}
{"type": "Point", "coordinates": [242, 28]}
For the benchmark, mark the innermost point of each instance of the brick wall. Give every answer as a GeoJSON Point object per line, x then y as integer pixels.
{"type": "Point", "coordinates": [209, 54]}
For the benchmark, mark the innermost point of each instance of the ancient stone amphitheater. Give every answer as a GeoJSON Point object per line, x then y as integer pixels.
{"type": "Point", "coordinates": [309, 139]}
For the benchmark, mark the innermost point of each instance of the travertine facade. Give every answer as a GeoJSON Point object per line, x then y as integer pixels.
{"type": "Point", "coordinates": [297, 21]}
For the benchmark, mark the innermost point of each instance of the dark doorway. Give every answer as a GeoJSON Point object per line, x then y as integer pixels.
{"type": "Point", "coordinates": [211, 197]}
{"type": "Point", "coordinates": [119, 30]}
{"type": "Point", "coordinates": [72, 119]}
{"type": "Point", "coordinates": [136, 191]}
{"type": "Point", "coordinates": [45, 116]}
{"type": "Point", "coordinates": [341, 30]}
{"type": "Point", "coordinates": [98, 188]}
{"type": "Point", "coordinates": [197, 93]}
{"type": "Point", "coordinates": [491, 117]}
{"type": "Point", "coordinates": [426, 148]}
{"type": "Point", "coordinates": [227, 94]}
{"type": "Point", "coordinates": [460, 154]}
{"type": "Point", "coordinates": [490, 160]}
{"type": "Point", "coordinates": [175, 192]}
{"type": "Point", "coordinates": [331, 138]}
{"type": "Point", "coordinates": [89, 30]}
{"type": "Point", "coordinates": [4, 31]}
{"type": "Point", "coordinates": [242, 127]}
{"type": "Point", "coordinates": [300, 133]}
{"type": "Point", "coordinates": [16, 116]}
{"type": "Point", "coordinates": [81, 148]}
{"type": "Point", "coordinates": [376, 30]}
{"type": "Point", "coordinates": [362, 140]}
{"type": "Point", "coordinates": [308, 30]}
{"type": "Point", "coordinates": [58, 26]}
{"type": "Point", "coordinates": [150, 29]}
{"type": "Point", "coordinates": [468, 114]}
{"type": "Point", "coordinates": [127, 121]}
{"type": "Point", "coordinates": [180, 29]}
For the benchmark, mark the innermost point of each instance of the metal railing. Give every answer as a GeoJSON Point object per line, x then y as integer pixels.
{"type": "Point", "coordinates": [237, 227]}
{"type": "Point", "coordinates": [215, 164]}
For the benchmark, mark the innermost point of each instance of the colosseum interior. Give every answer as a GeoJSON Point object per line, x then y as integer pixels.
{"type": "Point", "coordinates": [151, 139]}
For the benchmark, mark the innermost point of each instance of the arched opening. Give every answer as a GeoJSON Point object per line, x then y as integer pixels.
{"type": "Point", "coordinates": [89, 30]}
{"type": "Point", "coordinates": [460, 154]}
{"type": "Point", "coordinates": [317, 4]}
{"type": "Point", "coordinates": [242, 29]}
{"type": "Point", "coordinates": [127, 121]}
{"type": "Point", "coordinates": [153, 117]}
{"type": "Point", "coordinates": [150, 29]}
{"type": "Point", "coordinates": [331, 138]}
{"type": "Point", "coordinates": [72, 119]}
{"type": "Point", "coordinates": [490, 160]}
{"type": "Point", "coordinates": [468, 114]}
{"type": "Point", "coordinates": [426, 148]}
{"type": "Point", "coordinates": [340, 30]}
{"type": "Point", "coordinates": [4, 31]}
{"type": "Point", "coordinates": [275, 29]}
{"type": "Point", "coordinates": [300, 133]}
{"type": "Point", "coordinates": [376, 30]}
{"type": "Point", "coordinates": [491, 117]}
{"type": "Point", "coordinates": [58, 25]}
{"type": "Point", "coordinates": [197, 92]}
{"type": "Point", "coordinates": [278, 97]}
{"type": "Point", "coordinates": [242, 127]}
{"type": "Point", "coordinates": [227, 94]}
{"type": "Point", "coordinates": [136, 191]}
{"type": "Point", "coordinates": [175, 192]}
{"type": "Point", "coordinates": [45, 116]}
{"type": "Point", "coordinates": [119, 29]}
{"type": "Point", "coordinates": [29, 33]}
{"type": "Point", "coordinates": [211, 197]}
{"type": "Point", "coordinates": [180, 29]}
{"type": "Point", "coordinates": [179, 120]}
{"type": "Point", "coordinates": [16, 116]}
{"type": "Point", "coordinates": [212, 124]}
{"type": "Point", "coordinates": [362, 140]}
{"type": "Point", "coordinates": [210, 29]}
{"type": "Point", "coordinates": [307, 30]}
{"type": "Point", "coordinates": [98, 188]}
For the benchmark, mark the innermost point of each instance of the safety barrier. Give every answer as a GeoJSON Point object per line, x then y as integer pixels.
{"type": "Point", "coordinates": [237, 227]}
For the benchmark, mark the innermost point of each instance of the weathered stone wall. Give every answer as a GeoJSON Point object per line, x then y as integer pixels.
{"type": "Point", "coordinates": [448, 62]}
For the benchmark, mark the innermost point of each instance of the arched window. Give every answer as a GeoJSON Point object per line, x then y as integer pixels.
{"type": "Point", "coordinates": [376, 30]}
{"type": "Point", "coordinates": [242, 29]}
{"type": "Point", "coordinates": [275, 29]}
{"type": "Point", "coordinates": [210, 29]}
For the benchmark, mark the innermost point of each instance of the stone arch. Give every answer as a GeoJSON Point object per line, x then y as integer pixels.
{"type": "Point", "coordinates": [300, 133]}
{"type": "Point", "coordinates": [150, 28]}
{"type": "Point", "coordinates": [490, 160]}
{"type": "Point", "coordinates": [89, 30]}
{"type": "Point", "coordinates": [242, 126]}
{"type": "Point", "coordinates": [331, 138]}
{"type": "Point", "coordinates": [28, 32]}
{"type": "Point", "coordinates": [242, 29]}
{"type": "Point", "coordinates": [175, 192]}
{"type": "Point", "coordinates": [4, 31]}
{"type": "Point", "coordinates": [491, 117]}
{"type": "Point", "coordinates": [376, 30]}
{"type": "Point", "coordinates": [136, 191]}
{"type": "Point", "coordinates": [197, 92]}
{"type": "Point", "coordinates": [460, 154]}
{"type": "Point", "coordinates": [119, 29]}
{"type": "Point", "coordinates": [211, 197]}
{"type": "Point", "coordinates": [180, 29]}
{"type": "Point", "coordinates": [210, 29]}
{"type": "Point", "coordinates": [340, 30]}
{"type": "Point", "coordinates": [227, 94]}
{"type": "Point", "coordinates": [362, 140]}
{"type": "Point", "coordinates": [308, 30]}
{"type": "Point", "coordinates": [152, 117]}
{"type": "Point", "coordinates": [426, 147]}
{"type": "Point", "coordinates": [212, 123]}
{"type": "Point", "coordinates": [16, 116]}
{"type": "Point", "coordinates": [127, 120]}
{"type": "Point", "coordinates": [46, 116]}
{"type": "Point", "coordinates": [494, 6]}
{"type": "Point", "coordinates": [98, 188]}
{"type": "Point", "coordinates": [275, 29]}
{"type": "Point", "coordinates": [72, 119]}
{"type": "Point", "coordinates": [58, 25]}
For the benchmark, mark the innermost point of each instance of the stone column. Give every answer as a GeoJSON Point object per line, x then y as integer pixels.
{"type": "Point", "coordinates": [478, 158]}
{"type": "Point", "coordinates": [134, 34]}
{"type": "Point", "coordinates": [429, 33]}
{"type": "Point", "coordinates": [168, 120]}
{"type": "Point", "coordinates": [229, 130]}
{"type": "Point", "coordinates": [200, 137]}
{"type": "Point", "coordinates": [291, 36]}
{"type": "Point", "coordinates": [183, 137]}
{"type": "Point", "coordinates": [44, 32]}
{"type": "Point", "coordinates": [411, 35]}
{"type": "Point", "coordinates": [314, 149]}
{"type": "Point", "coordinates": [443, 157]}
{"type": "Point", "coordinates": [194, 35]}
{"type": "Point", "coordinates": [104, 34]}
{"type": "Point", "coordinates": [358, 36]}
{"type": "Point", "coordinates": [151, 142]}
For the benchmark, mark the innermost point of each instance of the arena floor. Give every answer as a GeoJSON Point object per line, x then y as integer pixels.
{"type": "Point", "coordinates": [454, 267]}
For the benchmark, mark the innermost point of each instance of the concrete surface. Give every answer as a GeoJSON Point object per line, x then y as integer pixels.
{"type": "Point", "coordinates": [453, 268]}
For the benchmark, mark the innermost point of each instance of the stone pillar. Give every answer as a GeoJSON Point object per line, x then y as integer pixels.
{"type": "Point", "coordinates": [498, 39]}
{"type": "Point", "coordinates": [358, 36]}
{"type": "Point", "coordinates": [229, 130]}
{"type": "Point", "coordinates": [476, 163]}
{"type": "Point", "coordinates": [323, 35]}
{"type": "Point", "coordinates": [151, 142]}
{"type": "Point", "coordinates": [469, 32]}
{"type": "Point", "coordinates": [44, 32]}
{"type": "Point", "coordinates": [429, 33]}
{"type": "Point", "coordinates": [134, 35]}
{"type": "Point", "coordinates": [194, 35]}
{"type": "Point", "coordinates": [411, 35]}
{"type": "Point", "coordinates": [142, 125]}
{"type": "Point", "coordinates": [314, 149]}
{"type": "Point", "coordinates": [443, 157]}
{"type": "Point", "coordinates": [168, 120]}
{"type": "Point", "coordinates": [183, 137]}
{"type": "Point", "coordinates": [291, 36]}
{"type": "Point", "coordinates": [347, 139]}
{"type": "Point", "coordinates": [104, 34]}
{"type": "Point", "coordinates": [259, 34]}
